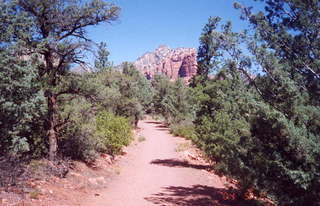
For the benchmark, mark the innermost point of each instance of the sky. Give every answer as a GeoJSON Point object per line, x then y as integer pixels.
{"type": "Point", "coordinates": [144, 25]}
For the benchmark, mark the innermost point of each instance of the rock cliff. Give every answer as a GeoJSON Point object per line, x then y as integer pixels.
{"type": "Point", "coordinates": [174, 63]}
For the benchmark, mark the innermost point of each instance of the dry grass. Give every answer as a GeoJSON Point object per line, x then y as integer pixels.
{"type": "Point", "coordinates": [141, 139]}
{"type": "Point", "coordinates": [35, 194]}
{"type": "Point", "coordinates": [183, 146]}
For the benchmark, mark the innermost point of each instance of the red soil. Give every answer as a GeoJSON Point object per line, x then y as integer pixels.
{"type": "Point", "coordinates": [154, 172]}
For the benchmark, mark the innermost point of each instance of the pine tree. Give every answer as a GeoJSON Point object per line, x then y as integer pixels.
{"type": "Point", "coordinates": [101, 63]}
{"type": "Point", "coordinates": [291, 30]}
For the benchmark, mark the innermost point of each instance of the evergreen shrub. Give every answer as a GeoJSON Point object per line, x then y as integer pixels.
{"type": "Point", "coordinates": [184, 129]}
{"type": "Point", "coordinates": [113, 132]}
{"type": "Point", "coordinates": [78, 140]}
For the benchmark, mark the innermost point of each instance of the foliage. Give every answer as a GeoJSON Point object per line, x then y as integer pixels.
{"type": "Point", "coordinates": [290, 29]}
{"type": "Point", "coordinates": [140, 85]}
{"type": "Point", "coordinates": [207, 52]}
{"type": "Point", "coordinates": [221, 122]}
{"type": "Point", "coordinates": [99, 92]}
{"type": "Point", "coordinates": [125, 94]}
{"type": "Point", "coordinates": [21, 106]}
{"type": "Point", "coordinates": [172, 100]}
{"type": "Point", "coordinates": [105, 90]}
{"type": "Point", "coordinates": [184, 129]}
{"type": "Point", "coordinates": [113, 132]}
{"type": "Point", "coordinates": [262, 130]}
{"type": "Point", "coordinates": [55, 30]}
{"type": "Point", "coordinates": [78, 139]}
{"type": "Point", "coordinates": [256, 144]}
{"type": "Point", "coordinates": [101, 63]}
{"type": "Point", "coordinates": [293, 159]}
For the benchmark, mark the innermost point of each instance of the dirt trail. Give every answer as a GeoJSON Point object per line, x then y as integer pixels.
{"type": "Point", "coordinates": [153, 173]}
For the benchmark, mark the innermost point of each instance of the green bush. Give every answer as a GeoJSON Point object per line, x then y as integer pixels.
{"type": "Point", "coordinates": [172, 100]}
{"type": "Point", "coordinates": [78, 140]}
{"type": "Point", "coordinates": [259, 146]}
{"type": "Point", "coordinates": [80, 143]}
{"type": "Point", "coordinates": [90, 129]}
{"type": "Point", "coordinates": [184, 129]}
{"type": "Point", "coordinates": [113, 132]}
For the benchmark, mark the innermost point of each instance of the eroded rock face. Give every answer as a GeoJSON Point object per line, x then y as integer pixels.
{"type": "Point", "coordinates": [174, 63]}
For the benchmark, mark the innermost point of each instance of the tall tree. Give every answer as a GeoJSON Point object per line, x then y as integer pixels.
{"type": "Point", "coordinates": [207, 52]}
{"type": "Point", "coordinates": [290, 28]}
{"type": "Point", "coordinates": [58, 34]}
{"type": "Point", "coordinates": [101, 62]}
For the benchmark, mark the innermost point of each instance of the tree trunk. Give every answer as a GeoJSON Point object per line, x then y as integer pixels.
{"type": "Point", "coordinates": [52, 122]}
{"type": "Point", "coordinates": [136, 120]}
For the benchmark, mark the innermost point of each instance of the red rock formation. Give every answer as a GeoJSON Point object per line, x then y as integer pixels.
{"type": "Point", "coordinates": [174, 63]}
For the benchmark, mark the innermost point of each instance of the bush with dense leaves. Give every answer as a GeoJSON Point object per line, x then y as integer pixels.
{"type": "Point", "coordinates": [78, 140]}
{"type": "Point", "coordinates": [125, 93]}
{"type": "Point", "coordinates": [172, 100]}
{"type": "Point", "coordinates": [21, 107]}
{"type": "Point", "coordinates": [100, 95]}
{"type": "Point", "coordinates": [184, 129]}
{"type": "Point", "coordinates": [113, 132]}
{"type": "Point", "coordinates": [262, 135]}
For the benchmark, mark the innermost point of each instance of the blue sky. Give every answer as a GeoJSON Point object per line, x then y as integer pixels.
{"type": "Point", "coordinates": [143, 25]}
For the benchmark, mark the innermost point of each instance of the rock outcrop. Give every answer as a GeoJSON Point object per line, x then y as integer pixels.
{"type": "Point", "coordinates": [174, 63]}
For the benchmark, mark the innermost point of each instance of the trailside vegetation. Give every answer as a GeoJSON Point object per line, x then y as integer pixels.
{"type": "Point", "coordinates": [49, 109]}
{"type": "Point", "coordinates": [253, 107]}
{"type": "Point", "coordinates": [258, 116]}
{"type": "Point", "coordinates": [56, 32]}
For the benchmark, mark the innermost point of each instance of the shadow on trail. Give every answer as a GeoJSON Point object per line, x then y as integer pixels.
{"type": "Point", "coordinates": [162, 126]}
{"type": "Point", "coordinates": [178, 163]}
{"type": "Point", "coordinates": [153, 122]}
{"type": "Point", "coordinates": [199, 195]}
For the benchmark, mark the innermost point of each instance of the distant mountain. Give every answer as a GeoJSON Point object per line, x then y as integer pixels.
{"type": "Point", "coordinates": [174, 63]}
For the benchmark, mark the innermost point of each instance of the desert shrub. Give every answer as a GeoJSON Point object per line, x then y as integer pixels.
{"type": "Point", "coordinates": [174, 101]}
{"type": "Point", "coordinates": [91, 126]}
{"type": "Point", "coordinates": [184, 129]}
{"type": "Point", "coordinates": [287, 159]}
{"type": "Point", "coordinates": [126, 94]}
{"type": "Point", "coordinates": [113, 132]}
{"type": "Point", "coordinates": [80, 144]}
{"type": "Point", "coordinates": [78, 140]}
{"type": "Point", "coordinates": [258, 145]}
{"type": "Point", "coordinates": [263, 130]}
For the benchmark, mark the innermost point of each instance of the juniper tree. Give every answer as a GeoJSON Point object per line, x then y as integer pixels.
{"type": "Point", "coordinates": [287, 33]}
{"type": "Point", "coordinates": [207, 52]}
{"type": "Point", "coordinates": [21, 100]}
{"type": "Point", "coordinates": [265, 132]}
{"type": "Point", "coordinates": [21, 104]}
{"type": "Point", "coordinates": [58, 34]}
{"type": "Point", "coordinates": [172, 100]}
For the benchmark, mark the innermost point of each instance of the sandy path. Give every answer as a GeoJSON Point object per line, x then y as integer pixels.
{"type": "Point", "coordinates": [153, 174]}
